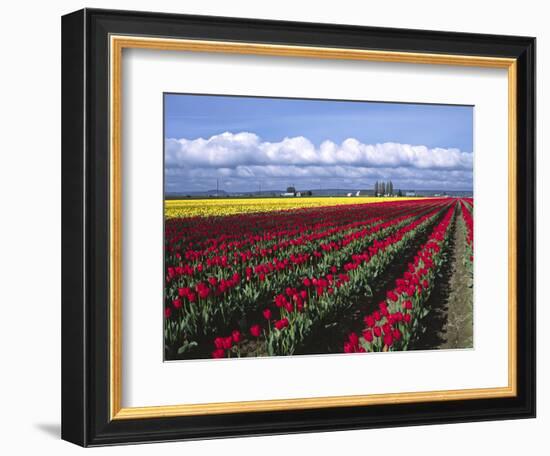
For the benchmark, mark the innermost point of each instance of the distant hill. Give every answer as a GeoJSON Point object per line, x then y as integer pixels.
{"type": "Point", "coordinates": [315, 192]}
{"type": "Point", "coordinates": [273, 192]}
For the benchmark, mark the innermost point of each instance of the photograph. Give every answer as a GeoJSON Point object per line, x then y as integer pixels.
{"type": "Point", "coordinates": [315, 226]}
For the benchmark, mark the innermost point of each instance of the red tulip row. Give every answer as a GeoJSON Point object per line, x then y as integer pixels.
{"type": "Point", "coordinates": [469, 222]}
{"type": "Point", "coordinates": [202, 309]}
{"type": "Point", "coordinates": [298, 253]}
{"type": "Point", "coordinates": [469, 202]}
{"type": "Point", "coordinates": [296, 310]}
{"type": "Point", "coordinates": [236, 231]}
{"type": "Point", "coordinates": [264, 284]}
{"type": "Point", "coordinates": [221, 298]}
{"type": "Point", "coordinates": [398, 318]}
{"type": "Point", "coordinates": [222, 277]}
{"type": "Point", "coordinates": [251, 246]}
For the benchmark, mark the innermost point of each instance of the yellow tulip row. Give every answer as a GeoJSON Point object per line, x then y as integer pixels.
{"type": "Point", "coordinates": [231, 206]}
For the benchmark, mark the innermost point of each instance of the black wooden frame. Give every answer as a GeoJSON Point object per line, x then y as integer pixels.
{"type": "Point", "coordinates": [85, 224]}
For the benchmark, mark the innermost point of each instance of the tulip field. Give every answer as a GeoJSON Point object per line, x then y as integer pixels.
{"type": "Point", "coordinates": [236, 206]}
{"type": "Point", "coordinates": [268, 277]}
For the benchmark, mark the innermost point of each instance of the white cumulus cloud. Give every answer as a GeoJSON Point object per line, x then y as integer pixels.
{"type": "Point", "coordinates": [244, 150]}
{"type": "Point", "coordinates": [243, 161]}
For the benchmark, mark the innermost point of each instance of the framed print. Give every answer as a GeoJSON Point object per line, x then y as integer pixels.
{"type": "Point", "coordinates": [276, 227]}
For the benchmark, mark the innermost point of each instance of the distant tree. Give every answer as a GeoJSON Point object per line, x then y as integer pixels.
{"type": "Point", "coordinates": [389, 189]}
{"type": "Point", "coordinates": [308, 193]}
{"type": "Point", "coordinates": [291, 190]}
{"type": "Point", "coordinates": [382, 188]}
{"type": "Point", "coordinates": [376, 188]}
{"type": "Point", "coordinates": [399, 193]}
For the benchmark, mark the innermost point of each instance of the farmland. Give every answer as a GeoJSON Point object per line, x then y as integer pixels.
{"type": "Point", "coordinates": [267, 277]}
{"type": "Point", "coordinates": [233, 206]}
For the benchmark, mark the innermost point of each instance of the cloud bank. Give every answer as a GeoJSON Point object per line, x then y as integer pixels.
{"type": "Point", "coordinates": [230, 150]}
{"type": "Point", "coordinates": [243, 158]}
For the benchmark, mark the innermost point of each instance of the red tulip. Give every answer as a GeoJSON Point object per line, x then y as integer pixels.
{"type": "Point", "coordinates": [353, 339]}
{"type": "Point", "coordinates": [218, 353]}
{"type": "Point", "coordinates": [219, 342]}
{"type": "Point", "coordinates": [369, 321]}
{"type": "Point", "coordinates": [203, 290]}
{"type": "Point", "coordinates": [256, 330]}
{"type": "Point", "coordinates": [367, 334]}
{"type": "Point", "coordinates": [184, 291]}
{"type": "Point", "coordinates": [280, 324]}
{"type": "Point", "coordinates": [227, 342]}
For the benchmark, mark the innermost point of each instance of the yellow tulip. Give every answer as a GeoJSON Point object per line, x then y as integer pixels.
{"type": "Point", "coordinates": [231, 206]}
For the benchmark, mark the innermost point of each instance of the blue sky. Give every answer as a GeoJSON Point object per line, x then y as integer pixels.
{"type": "Point", "coordinates": [242, 141]}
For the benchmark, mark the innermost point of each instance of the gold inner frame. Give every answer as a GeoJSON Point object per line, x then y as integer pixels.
{"type": "Point", "coordinates": [117, 44]}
